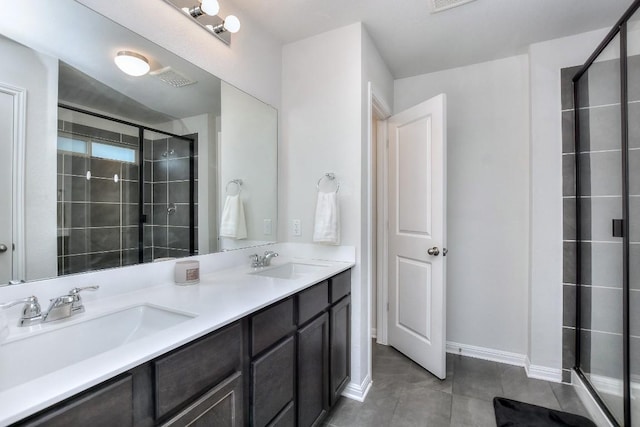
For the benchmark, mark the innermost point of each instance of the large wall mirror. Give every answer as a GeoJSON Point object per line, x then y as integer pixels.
{"type": "Point", "coordinates": [102, 169]}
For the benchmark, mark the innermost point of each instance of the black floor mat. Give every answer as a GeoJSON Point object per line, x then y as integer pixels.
{"type": "Point", "coordinates": [510, 413]}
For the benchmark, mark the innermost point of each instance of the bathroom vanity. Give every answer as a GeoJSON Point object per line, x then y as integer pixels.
{"type": "Point", "coordinates": [281, 358]}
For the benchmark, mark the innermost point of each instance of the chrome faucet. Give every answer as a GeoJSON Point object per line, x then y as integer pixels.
{"type": "Point", "coordinates": [59, 308]}
{"type": "Point", "coordinates": [262, 261]}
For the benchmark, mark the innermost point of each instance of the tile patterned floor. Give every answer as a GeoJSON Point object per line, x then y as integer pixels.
{"type": "Point", "coordinates": [404, 394]}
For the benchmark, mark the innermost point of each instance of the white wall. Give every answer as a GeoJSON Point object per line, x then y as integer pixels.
{"type": "Point", "coordinates": [545, 299]}
{"type": "Point", "coordinates": [252, 62]}
{"type": "Point", "coordinates": [324, 129]}
{"type": "Point", "coordinates": [487, 198]}
{"type": "Point", "coordinates": [248, 151]}
{"type": "Point", "coordinates": [41, 84]}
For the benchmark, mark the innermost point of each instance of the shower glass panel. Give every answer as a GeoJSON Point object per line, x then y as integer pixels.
{"type": "Point", "coordinates": [98, 169]}
{"type": "Point", "coordinates": [599, 202]}
{"type": "Point", "coordinates": [170, 203]}
{"type": "Point", "coordinates": [633, 77]}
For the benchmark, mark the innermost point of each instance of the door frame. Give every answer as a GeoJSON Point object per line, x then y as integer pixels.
{"type": "Point", "coordinates": [378, 107]}
{"type": "Point", "coordinates": [18, 146]}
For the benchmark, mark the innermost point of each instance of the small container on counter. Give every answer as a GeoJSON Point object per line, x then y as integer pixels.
{"type": "Point", "coordinates": [187, 273]}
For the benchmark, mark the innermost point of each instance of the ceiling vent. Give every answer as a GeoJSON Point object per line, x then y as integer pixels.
{"type": "Point", "coordinates": [172, 77]}
{"type": "Point", "coordinates": [442, 5]}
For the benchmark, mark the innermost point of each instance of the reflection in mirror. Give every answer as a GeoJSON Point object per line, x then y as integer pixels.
{"type": "Point", "coordinates": [120, 170]}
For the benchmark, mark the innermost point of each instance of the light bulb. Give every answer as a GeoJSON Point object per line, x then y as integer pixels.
{"type": "Point", "coordinates": [232, 24]}
{"type": "Point", "coordinates": [210, 7]}
{"type": "Point", "coordinates": [132, 63]}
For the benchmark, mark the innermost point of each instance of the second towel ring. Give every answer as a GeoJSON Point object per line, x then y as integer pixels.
{"type": "Point", "coordinates": [331, 177]}
{"type": "Point", "coordinates": [237, 182]}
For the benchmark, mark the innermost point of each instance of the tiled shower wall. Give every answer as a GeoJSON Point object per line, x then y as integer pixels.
{"type": "Point", "coordinates": [600, 133]}
{"type": "Point", "coordinates": [98, 217]}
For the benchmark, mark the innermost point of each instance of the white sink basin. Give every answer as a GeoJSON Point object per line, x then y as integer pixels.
{"type": "Point", "coordinates": [291, 270]}
{"type": "Point", "coordinates": [48, 350]}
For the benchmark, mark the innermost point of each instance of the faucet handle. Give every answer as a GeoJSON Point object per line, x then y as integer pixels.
{"type": "Point", "coordinates": [77, 301]}
{"type": "Point", "coordinates": [31, 310]}
{"type": "Point", "coordinates": [76, 291]}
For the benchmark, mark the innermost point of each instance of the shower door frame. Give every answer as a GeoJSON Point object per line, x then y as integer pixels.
{"type": "Point", "coordinates": [620, 28]}
{"type": "Point", "coordinates": [141, 215]}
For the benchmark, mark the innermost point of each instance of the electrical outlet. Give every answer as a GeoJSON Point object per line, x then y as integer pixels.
{"type": "Point", "coordinates": [267, 229]}
{"type": "Point", "coordinates": [296, 228]}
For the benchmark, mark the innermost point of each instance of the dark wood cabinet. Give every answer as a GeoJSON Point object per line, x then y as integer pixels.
{"type": "Point", "coordinates": [339, 347]}
{"type": "Point", "coordinates": [273, 382]}
{"type": "Point", "coordinates": [107, 405]}
{"type": "Point", "coordinates": [313, 371]}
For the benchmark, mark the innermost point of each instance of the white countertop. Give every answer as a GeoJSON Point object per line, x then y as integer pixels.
{"type": "Point", "coordinates": [219, 299]}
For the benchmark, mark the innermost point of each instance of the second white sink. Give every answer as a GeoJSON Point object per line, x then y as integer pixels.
{"type": "Point", "coordinates": [43, 352]}
{"type": "Point", "coordinates": [291, 270]}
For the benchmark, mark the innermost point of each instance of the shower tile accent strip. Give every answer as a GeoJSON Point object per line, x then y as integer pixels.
{"type": "Point", "coordinates": [98, 218]}
{"type": "Point", "coordinates": [601, 253]}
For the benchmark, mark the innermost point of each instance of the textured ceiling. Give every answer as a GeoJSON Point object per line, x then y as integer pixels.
{"type": "Point", "coordinates": [412, 41]}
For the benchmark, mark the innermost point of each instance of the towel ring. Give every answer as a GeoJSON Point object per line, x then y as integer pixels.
{"type": "Point", "coordinates": [331, 177]}
{"type": "Point", "coordinates": [237, 182]}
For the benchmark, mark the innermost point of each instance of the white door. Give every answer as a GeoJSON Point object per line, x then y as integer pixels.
{"type": "Point", "coordinates": [417, 286]}
{"type": "Point", "coordinates": [6, 187]}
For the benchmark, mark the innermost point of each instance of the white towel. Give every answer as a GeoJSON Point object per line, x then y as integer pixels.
{"type": "Point", "coordinates": [233, 224]}
{"type": "Point", "coordinates": [327, 225]}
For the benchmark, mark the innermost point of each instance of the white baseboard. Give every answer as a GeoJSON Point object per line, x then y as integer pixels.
{"type": "Point", "coordinates": [486, 353]}
{"type": "Point", "coordinates": [358, 391]}
{"type": "Point", "coordinates": [589, 402]}
{"type": "Point", "coordinates": [542, 372]}
{"type": "Point", "coordinates": [508, 358]}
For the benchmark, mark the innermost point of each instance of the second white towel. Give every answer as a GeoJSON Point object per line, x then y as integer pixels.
{"type": "Point", "coordinates": [233, 223]}
{"type": "Point", "coordinates": [327, 222]}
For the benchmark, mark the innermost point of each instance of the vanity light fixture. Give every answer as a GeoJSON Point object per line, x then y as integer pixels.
{"type": "Point", "coordinates": [132, 63]}
{"type": "Point", "coordinates": [206, 14]}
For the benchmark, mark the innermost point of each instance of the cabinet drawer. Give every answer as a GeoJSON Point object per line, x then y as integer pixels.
{"type": "Point", "coordinates": [312, 301]}
{"type": "Point", "coordinates": [273, 382]}
{"type": "Point", "coordinates": [104, 405]}
{"type": "Point", "coordinates": [221, 406]}
{"type": "Point", "coordinates": [340, 285]}
{"type": "Point", "coordinates": [271, 325]}
{"type": "Point", "coordinates": [187, 372]}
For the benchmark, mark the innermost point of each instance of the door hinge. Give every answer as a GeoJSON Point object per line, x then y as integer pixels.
{"type": "Point", "coordinates": [387, 306]}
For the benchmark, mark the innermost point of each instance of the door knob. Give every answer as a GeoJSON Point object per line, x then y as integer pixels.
{"type": "Point", "coordinates": [3, 248]}
{"type": "Point", "coordinates": [434, 251]}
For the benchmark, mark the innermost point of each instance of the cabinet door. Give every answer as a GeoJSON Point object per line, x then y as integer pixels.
{"type": "Point", "coordinates": [313, 371]}
{"type": "Point", "coordinates": [273, 384]}
{"type": "Point", "coordinates": [105, 405]}
{"type": "Point", "coordinates": [339, 347]}
{"type": "Point", "coordinates": [220, 407]}
{"type": "Point", "coordinates": [286, 418]}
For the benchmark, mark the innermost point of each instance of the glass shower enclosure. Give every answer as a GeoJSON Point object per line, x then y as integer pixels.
{"type": "Point", "coordinates": [606, 94]}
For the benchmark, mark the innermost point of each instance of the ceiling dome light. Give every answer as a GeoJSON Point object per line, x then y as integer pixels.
{"type": "Point", "coordinates": [210, 7]}
{"type": "Point", "coordinates": [132, 63]}
{"type": "Point", "coordinates": [232, 24]}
